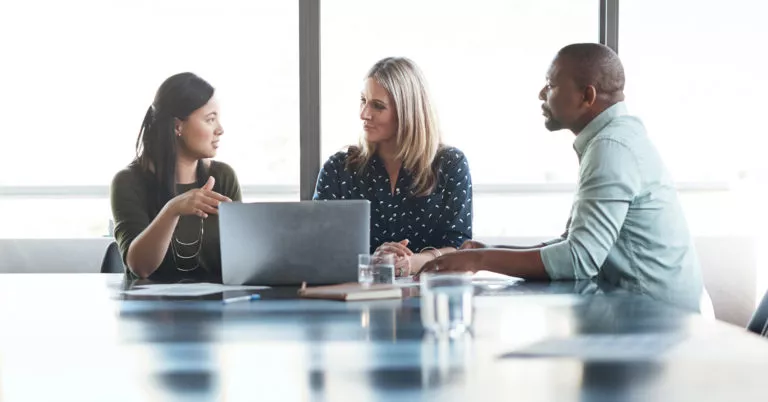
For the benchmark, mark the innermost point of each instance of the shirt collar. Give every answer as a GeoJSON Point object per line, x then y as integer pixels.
{"type": "Point", "coordinates": [596, 125]}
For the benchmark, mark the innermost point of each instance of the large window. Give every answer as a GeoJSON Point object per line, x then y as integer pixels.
{"type": "Point", "coordinates": [696, 76]}
{"type": "Point", "coordinates": [485, 63]}
{"type": "Point", "coordinates": [78, 76]}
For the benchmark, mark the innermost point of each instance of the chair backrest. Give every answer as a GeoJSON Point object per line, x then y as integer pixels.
{"type": "Point", "coordinates": [112, 262]}
{"type": "Point", "coordinates": [759, 322]}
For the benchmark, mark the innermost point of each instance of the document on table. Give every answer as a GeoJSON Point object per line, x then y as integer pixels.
{"type": "Point", "coordinates": [488, 278]}
{"type": "Point", "coordinates": [185, 289]}
{"type": "Point", "coordinates": [405, 282]}
{"type": "Point", "coordinates": [480, 278]}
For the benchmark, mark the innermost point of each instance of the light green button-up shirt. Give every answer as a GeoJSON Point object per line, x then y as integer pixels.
{"type": "Point", "coordinates": [627, 226]}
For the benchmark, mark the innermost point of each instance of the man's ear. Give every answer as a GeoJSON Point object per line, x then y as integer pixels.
{"type": "Point", "coordinates": [590, 95]}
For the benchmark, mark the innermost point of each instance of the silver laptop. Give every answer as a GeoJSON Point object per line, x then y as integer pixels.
{"type": "Point", "coordinates": [287, 243]}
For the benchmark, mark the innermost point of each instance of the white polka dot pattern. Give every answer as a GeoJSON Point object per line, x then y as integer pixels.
{"type": "Point", "coordinates": [441, 219]}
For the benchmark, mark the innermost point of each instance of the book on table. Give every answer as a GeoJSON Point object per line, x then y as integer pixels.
{"type": "Point", "coordinates": [351, 292]}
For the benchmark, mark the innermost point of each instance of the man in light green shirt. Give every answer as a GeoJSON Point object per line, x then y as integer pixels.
{"type": "Point", "coordinates": [627, 227]}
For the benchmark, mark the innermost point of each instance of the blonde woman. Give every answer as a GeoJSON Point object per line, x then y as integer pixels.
{"type": "Point", "coordinates": [420, 190]}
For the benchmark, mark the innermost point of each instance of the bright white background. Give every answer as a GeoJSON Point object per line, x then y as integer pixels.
{"type": "Point", "coordinates": [484, 63]}
{"type": "Point", "coordinates": [76, 78]}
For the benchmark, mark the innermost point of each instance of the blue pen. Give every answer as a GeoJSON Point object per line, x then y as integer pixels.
{"type": "Point", "coordinates": [242, 298]}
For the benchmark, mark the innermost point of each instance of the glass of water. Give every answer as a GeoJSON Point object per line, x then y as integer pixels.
{"type": "Point", "coordinates": [364, 269]}
{"type": "Point", "coordinates": [446, 302]}
{"type": "Point", "coordinates": [377, 268]}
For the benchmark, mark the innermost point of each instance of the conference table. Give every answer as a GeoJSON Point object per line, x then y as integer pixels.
{"type": "Point", "coordinates": [81, 337]}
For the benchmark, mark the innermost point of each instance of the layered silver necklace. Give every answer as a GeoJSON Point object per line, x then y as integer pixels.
{"type": "Point", "coordinates": [182, 251]}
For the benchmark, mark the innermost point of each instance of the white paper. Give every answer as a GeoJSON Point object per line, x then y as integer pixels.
{"type": "Point", "coordinates": [405, 282]}
{"type": "Point", "coordinates": [480, 278]}
{"type": "Point", "coordinates": [493, 278]}
{"type": "Point", "coordinates": [185, 289]}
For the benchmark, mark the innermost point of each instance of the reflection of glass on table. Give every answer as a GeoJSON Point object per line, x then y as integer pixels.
{"type": "Point", "coordinates": [444, 359]}
{"type": "Point", "coordinates": [446, 302]}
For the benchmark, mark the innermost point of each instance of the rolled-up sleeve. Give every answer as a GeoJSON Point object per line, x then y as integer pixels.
{"type": "Point", "coordinates": [609, 180]}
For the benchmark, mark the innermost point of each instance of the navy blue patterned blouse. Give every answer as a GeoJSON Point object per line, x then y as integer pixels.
{"type": "Point", "coordinates": [441, 219]}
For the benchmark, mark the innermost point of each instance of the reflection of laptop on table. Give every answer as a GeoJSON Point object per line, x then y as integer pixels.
{"type": "Point", "coordinates": [287, 243]}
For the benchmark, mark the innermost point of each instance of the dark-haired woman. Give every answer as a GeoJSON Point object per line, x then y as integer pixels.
{"type": "Point", "coordinates": [165, 202]}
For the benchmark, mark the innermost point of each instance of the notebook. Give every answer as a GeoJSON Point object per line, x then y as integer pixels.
{"type": "Point", "coordinates": [351, 292]}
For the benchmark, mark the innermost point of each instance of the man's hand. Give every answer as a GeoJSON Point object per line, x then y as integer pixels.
{"type": "Point", "coordinates": [473, 245]}
{"type": "Point", "coordinates": [460, 261]}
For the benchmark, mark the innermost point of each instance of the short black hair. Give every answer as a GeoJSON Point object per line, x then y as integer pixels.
{"type": "Point", "coordinates": [595, 64]}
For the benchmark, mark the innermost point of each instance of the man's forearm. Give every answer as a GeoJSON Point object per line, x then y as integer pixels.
{"type": "Point", "coordinates": [531, 247]}
{"type": "Point", "coordinates": [525, 264]}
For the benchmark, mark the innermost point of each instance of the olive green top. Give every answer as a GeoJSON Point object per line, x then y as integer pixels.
{"type": "Point", "coordinates": [132, 197]}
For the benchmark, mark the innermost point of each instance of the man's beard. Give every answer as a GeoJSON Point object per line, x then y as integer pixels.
{"type": "Point", "coordinates": [552, 124]}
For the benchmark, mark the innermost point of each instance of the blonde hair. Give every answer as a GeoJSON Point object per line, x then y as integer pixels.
{"type": "Point", "coordinates": [418, 134]}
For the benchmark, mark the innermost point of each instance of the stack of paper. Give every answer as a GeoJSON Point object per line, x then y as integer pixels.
{"type": "Point", "coordinates": [185, 289]}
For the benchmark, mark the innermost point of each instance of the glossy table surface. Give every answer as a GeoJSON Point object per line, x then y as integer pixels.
{"type": "Point", "coordinates": [76, 337]}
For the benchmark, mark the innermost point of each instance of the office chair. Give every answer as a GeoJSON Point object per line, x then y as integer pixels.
{"type": "Point", "coordinates": [759, 322]}
{"type": "Point", "coordinates": [112, 262]}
